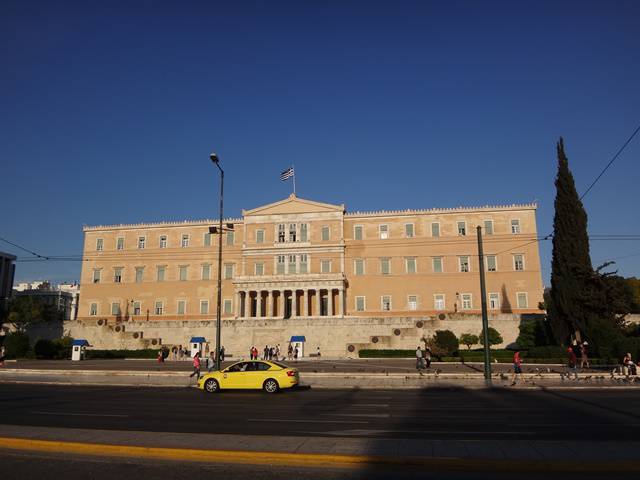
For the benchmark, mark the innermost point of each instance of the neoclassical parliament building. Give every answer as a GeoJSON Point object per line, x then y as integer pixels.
{"type": "Point", "coordinates": [344, 280]}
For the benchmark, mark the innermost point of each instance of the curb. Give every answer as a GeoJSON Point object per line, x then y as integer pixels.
{"type": "Point", "coordinates": [316, 460]}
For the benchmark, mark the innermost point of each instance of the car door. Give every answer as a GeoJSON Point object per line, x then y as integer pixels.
{"type": "Point", "coordinates": [251, 376]}
{"type": "Point", "coordinates": [232, 376]}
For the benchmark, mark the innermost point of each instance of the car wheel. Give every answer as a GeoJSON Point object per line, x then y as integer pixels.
{"type": "Point", "coordinates": [271, 386]}
{"type": "Point", "coordinates": [211, 386]}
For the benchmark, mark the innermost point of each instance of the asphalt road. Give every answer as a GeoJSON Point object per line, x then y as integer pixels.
{"type": "Point", "coordinates": [434, 413]}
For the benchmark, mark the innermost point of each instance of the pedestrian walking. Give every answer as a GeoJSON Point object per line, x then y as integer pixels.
{"type": "Point", "coordinates": [517, 368]}
{"type": "Point", "coordinates": [180, 353]}
{"type": "Point", "coordinates": [271, 353]}
{"type": "Point", "coordinates": [221, 354]}
{"type": "Point", "coordinates": [426, 354]}
{"type": "Point", "coordinates": [160, 357]}
{"type": "Point", "coordinates": [573, 363]}
{"type": "Point", "coordinates": [277, 352]}
{"type": "Point", "coordinates": [295, 354]}
{"type": "Point", "coordinates": [584, 355]}
{"type": "Point", "coordinates": [211, 361]}
{"type": "Point", "coordinates": [196, 366]}
{"type": "Point", "coordinates": [265, 353]}
{"type": "Point", "coordinates": [174, 353]}
{"type": "Point", "coordinates": [629, 367]}
{"type": "Point", "coordinates": [419, 360]}
{"type": "Point", "coordinates": [3, 355]}
{"type": "Point", "coordinates": [290, 352]}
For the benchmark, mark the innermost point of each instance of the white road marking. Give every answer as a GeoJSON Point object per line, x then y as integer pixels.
{"type": "Point", "coordinates": [372, 405]}
{"type": "Point", "coordinates": [369, 415]}
{"type": "Point", "coordinates": [301, 421]}
{"type": "Point", "coordinates": [80, 414]}
{"type": "Point", "coordinates": [364, 432]}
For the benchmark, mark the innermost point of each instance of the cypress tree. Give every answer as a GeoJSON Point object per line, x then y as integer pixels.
{"type": "Point", "coordinates": [571, 268]}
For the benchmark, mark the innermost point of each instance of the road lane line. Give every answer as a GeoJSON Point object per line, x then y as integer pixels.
{"type": "Point", "coordinates": [301, 421]}
{"type": "Point", "coordinates": [366, 415]}
{"type": "Point", "coordinates": [80, 414]}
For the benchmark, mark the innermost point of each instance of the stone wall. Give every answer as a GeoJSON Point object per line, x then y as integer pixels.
{"type": "Point", "coordinates": [336, 337]}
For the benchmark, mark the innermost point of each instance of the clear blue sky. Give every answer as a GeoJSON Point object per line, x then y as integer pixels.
{"type": "Point", "coordinates": [109, 110]}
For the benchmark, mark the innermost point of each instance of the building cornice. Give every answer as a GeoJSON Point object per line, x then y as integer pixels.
{"type": "Point", "coordinates": [183, 223]}
{"type": "Point", "coordinates": [407, 212]}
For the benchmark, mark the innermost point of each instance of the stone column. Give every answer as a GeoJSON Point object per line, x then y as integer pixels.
{"type": "Point", "coordinates": [237, 303]}
{"type": "Point", "coordinates": [330, 301]}
{"type": "Point", "coordinates": [319, 300]}
{"type": "Point", "coordinates": [281, 312]}
{"type": "Point", "coordinates": [305, 299]}
{"type": "Point", "coordinates": [245, 301]}
{"type": "Point", "coordinates": [294, 302]}
{"type": "Point", "coordinates": [341, 300]}
{"type": "Point", "coordinates": [259, 303]}
{"type": "Point", "coordinates": [269, 303]}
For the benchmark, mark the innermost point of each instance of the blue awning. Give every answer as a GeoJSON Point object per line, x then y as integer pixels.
{"type": "Point", "coordinates": [298, 338]}
{"type": "Point", "coordinates": [80, 342]}
{"type": "Point", "coordinates": [197, 340]}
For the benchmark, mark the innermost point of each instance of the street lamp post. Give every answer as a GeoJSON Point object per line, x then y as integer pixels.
{"type": "Point", "coordinates": [216, 161]}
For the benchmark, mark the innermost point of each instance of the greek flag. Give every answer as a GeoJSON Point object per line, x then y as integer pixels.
{"type": "Point", "coordinates": [288, 173]}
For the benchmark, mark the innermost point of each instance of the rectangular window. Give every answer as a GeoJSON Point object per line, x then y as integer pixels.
{"type": "Point", "coordinates": [182, 272]}
{"type": "Point", "coordinates": [325, 266]}
{"type": "Point", "coordinates": [467, 301]}
{"type": "Point", "coordinates": [384, 231]}
{"type": "Point", "coordinates": [411, 264]}
{"type": "Point", "coordinates": [117, 275]}
{"type": "Point", "coordinates": [93, 310]}
{"type": "Point", "coordinates": [139, 274]}
{"type": "Point", "coordinates": [260, 236]}
{"type": "Point", "coordinates": [408, 230]}
{"type": "Point", "coordinates": [185, 241]}
{"type": "Point", "coordinates": [464, 263]}
{"type": "Point", "coordinates": [435, 229]}
{"type": "Point", "coordinates": [462, 228]}
{"type": "Point", "coordinates": [99, 244]}
{"type": "Point", "coordinates": [115, 308]}
{"type": "Point", "coordinates": [358, 266]}
{"type": "Point", "coordinates": [292, 232]}
{"type": "Point", "coordinates": [304, 232]}
{"type": "Point", "coordinates": [488, 227]}
{"type": "Point", "coordinates": [204, 307]}
{"type": "Point", "coordinates": [304, 266]}
{"type": "Point", "coordinates": [357, 233]}
{"type": "Point", "coordinates": [518, 262]}
{"type": "Point", "coordinates": [207, 239]}
{"type": "Point", "coordinates": [325, 233]}
{"type": "Point", "coordinates": [292, 264]}
{"type": "Point", "coordinates": [141, 243]}
{"type": "Point", "coordinates": [522, 300]}
{"type": "Point", "coordinates": [227, 306]}
{"type": "Point", "coordinates": [159, 307]}
{"type": "Point", "coordinates": [386, 303]}
{"type": "Point", "coordinates": [120, 243]}
{"type": "Point", "coordinates": [136, 308]}
{"type": "Point", "coordinates": [206, 271]}
{"type": "Point", "coordinates": [412, 302]}
{"type": "Point", "coordinates": [259, 268]}
{"type": "Point", "coordinates": [437, 264]}
{"type": "Point", "coordinates": [280, 265]}
{"type": "Point", "coordinates": [438, 301]}
{"type": "Point", "coordinates": [228, 270]}
{"type": "Point", "coordinates": [281, 232]}
{"type": "Point", "coordinates": [491, 263]}
{"type": "Point", "coordinates": [385, 266]}
{"type": "Point", "coordinates": [163, 241]}
{"type": "Point", "coordinates": [359, 304]}
{"type": "Point", "coordinates": [182, 307]}
{"type": "Point", "coordinates": [494, 301]}
{"type": "Point", "coordinates": [515, 226]}
{"type": "Point", "coordinates": [230, 238]}
{"type": "Point", "coordinates": [96, 275]}
{"type": "Point", "coordinates": [161, 271]}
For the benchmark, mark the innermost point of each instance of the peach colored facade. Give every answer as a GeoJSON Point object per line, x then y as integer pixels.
{"type": "Point", "coordinates": [300, 258]}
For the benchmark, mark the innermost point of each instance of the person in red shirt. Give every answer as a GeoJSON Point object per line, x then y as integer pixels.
{"type": "Point", "coordinates": [196, 366]}
{"type": "Point", "coordinates": [517, 368]}
{"type": "Point", "coordinates": [573, 363]}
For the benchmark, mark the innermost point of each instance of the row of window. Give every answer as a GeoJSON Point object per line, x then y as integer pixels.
{"type": "Point", "coordinates": [299, 264]}
{"type": "Point", "coordinates": [299, 232]}
{"type": "Point", "coordinates": [163, 241]}
{"type": "Point", "coordinates": [160, 308]}
{"type": "Point", "coordinates": [464, 301]}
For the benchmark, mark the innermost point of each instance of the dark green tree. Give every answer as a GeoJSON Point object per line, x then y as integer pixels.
{"type": "Point", "coordinates": [493, 336]}
{"type": "Point", "coordinates": [468, 339]}
{"type": "Point", "coordinates": [445, 342]}
{"type": "Point", "coordinates": [27, 311]}
{"type": "Point", "coordinates": [571, 268]}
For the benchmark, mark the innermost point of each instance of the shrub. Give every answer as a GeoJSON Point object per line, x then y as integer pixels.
{"type": "Point", "coordinates": [494, 337]}
{"type": "Point", "coordinates": [45, 349]}
{"type": "Point", "coordinates": [469, 339]}
{"type": "Point", "coordinates": [533, 333]}
{"type": "Point", "coordinates": [111, 354]}
{"type": "Point", "coordinates": [445, 342]}
{"type": "Point", "coordinates": [16, 344]}
{"type": "Point", "coordinates": [369, 353]}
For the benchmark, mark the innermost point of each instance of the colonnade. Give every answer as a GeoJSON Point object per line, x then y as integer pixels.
{"type": "Point", "coordinates": [290, 303]}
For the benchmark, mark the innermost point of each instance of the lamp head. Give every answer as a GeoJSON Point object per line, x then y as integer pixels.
{"type": "Point", "coordinates": [214, 158]}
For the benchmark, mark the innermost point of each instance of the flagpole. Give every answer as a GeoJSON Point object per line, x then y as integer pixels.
{"type": "Point", "coordinates": [294, 178]}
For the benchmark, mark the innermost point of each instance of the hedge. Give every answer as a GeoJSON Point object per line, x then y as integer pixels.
{"type": "Point", "coordinates": [110, 354]}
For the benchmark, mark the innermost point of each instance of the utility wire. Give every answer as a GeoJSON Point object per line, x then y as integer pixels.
{"type": "Point", "coordinates": [25, 249]}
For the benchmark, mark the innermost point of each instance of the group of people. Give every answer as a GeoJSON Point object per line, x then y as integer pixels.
{"type": "Point", "coordinates": [423, 359]}
{"type": "Point", "coordinates": [269, 353]}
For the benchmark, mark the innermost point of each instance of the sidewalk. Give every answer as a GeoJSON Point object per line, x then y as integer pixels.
{"type": "Point", "coordinates": [488, 455]}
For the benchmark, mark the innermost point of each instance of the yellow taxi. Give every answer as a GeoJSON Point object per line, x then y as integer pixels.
{"type": "Point", "coordinates": [251, 374]}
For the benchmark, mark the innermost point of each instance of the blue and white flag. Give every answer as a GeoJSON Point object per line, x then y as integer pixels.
{"type": "Point", "coordinates": [288, 173]}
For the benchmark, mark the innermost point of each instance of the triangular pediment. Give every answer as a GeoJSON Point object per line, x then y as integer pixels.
{"type": "Point", "coordinates": [293, 204]}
